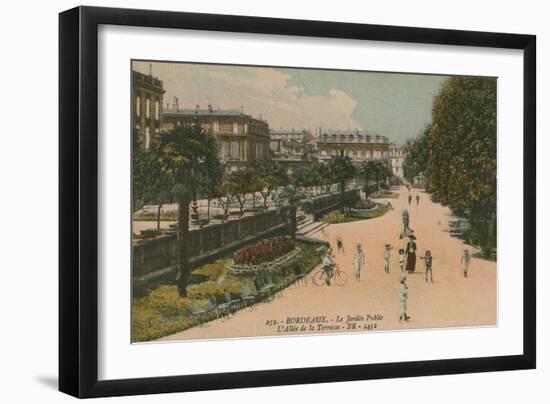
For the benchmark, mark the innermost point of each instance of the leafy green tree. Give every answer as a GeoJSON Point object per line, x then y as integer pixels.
{"type": "Point", "coordinates": [342, 170]}
{"type": "Point", "coordinates": [326, 178]}
{"type": "Point", "coordinates": [462, 144]}
{"type": "Point", "coordinates": [149, 184]}
{"type": "Point", "coordinates": [271, 176]}
{"type": "Point", "coordinates": [209, 184]}
{"type": "Point", "coordinates": [224, 196]}
{"type": "Point", "coordinates": [186, 155]}
{"type": "Point", "coordinates": [240, 184]}
{"type": "Point", "coordinates": [292, 195]}
{"type": "Point", "coordinates": [374, 172]}
{"type": "Point", "coordinates": [417, 155]}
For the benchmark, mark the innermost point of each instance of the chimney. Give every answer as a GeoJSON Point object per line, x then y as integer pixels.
{"type": "Point", "coordinates": [210, 109]}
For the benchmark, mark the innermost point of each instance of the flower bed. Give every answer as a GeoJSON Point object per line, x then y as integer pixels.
{"type": "Point", "coordinates": [366, 204]}
{"type": "Point", "coordinates": [274, 265]}
{"type": "Point", "coordinates": [263, 251]}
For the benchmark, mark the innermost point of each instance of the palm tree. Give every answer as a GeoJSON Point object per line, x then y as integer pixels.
{"type": "Point", "coordinates": [342, 170]}
{"type": "Point", "coordinates": [186, 155]}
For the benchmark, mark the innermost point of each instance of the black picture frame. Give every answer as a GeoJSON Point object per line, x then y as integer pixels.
{"type": "Point", "coordinates": [78, 196]}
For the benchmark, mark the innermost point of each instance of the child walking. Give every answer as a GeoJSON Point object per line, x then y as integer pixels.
{"type": "Point", "coordinates": [465, 260]}
{"type": "Point", "coordinates": [402, 259]}
{"type": "Point", "coordinates": [428, 261]}
{"type": "Point", "coordinates": [403, 297]}
{"type": "Point", "coordinates": [358, 262]}
{"type": "Point", "coordinates": [387, 256]}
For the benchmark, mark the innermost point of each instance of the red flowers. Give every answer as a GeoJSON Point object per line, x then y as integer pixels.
{"type": "Point", "coordinates": [263, 251]}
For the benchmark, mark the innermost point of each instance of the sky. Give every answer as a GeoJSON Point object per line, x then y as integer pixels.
{"type": "Point", "coordinates": [388, 104]}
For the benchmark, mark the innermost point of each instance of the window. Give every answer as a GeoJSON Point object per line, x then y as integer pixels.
{"type": "Point", "coordinates": [157, 110]}
{"type": "Point", "coordinates": [226, 128]}
{"type": "Point", "coordinates": [147, 138]}
{"type": "Point", "coordinates": [138, 106]}
{"type": "Point", "coordinates": [216, 126]}
{"type": "Point", "coordinates": [235, 127]}
{"type": "Point", "coordinates": [147, 108]}
{"type": "Point", "coordinates": [234, 152]}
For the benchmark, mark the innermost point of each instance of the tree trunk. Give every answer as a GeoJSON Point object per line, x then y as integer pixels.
{"type": "Point", "coordinates": [208, 210]}
{"type": "Point", "coordinates": [293, 223]}
{"type": "Point", "coordinates": [342, 196]}
{"type": "Point", "coordinates": [183, 243]}
{"type": "Point", "coordinates": [265, 196]}
{"type": "Point", "coordinates": [158, 217]}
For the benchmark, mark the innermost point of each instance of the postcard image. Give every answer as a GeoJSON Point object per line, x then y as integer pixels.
{"type": "Point", "coordinates": [282, 201]}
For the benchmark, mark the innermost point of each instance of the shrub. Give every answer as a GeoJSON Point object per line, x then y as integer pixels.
{"type": "Point", "coordinates": [366, 204]}
{"type": "Point", "coordinates": [263, 251]}
{"type": "Point", "coordinates": [165, 300]}
{"type": "Point", "coordinates": [204, 290]}
{"type": "Point", "coordinates": [335, 217]}
{"type": "Point", "coordinates": [214, 270]}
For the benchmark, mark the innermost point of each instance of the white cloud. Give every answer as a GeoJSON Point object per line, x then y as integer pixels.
{"type": "Point", "coordinates": [260, 91]}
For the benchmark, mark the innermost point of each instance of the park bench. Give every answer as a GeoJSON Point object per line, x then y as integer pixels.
{"type": "Point", "coordinates": [200, 313]}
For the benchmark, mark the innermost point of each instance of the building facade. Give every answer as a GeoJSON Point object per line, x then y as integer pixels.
{"type": "Point", "coordinates": [358, 146]}
{"type": "Point", "coordinates": [147, 100]}
{"type": "Point", "coordinates": [243, 139]}
{"type": "Point", "coordinates": [397, 157]}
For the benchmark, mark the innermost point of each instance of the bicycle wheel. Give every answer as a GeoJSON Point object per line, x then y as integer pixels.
{"type": "Point", "coordinates": [340, 278]}
{"type": "Point", "coordinates": [319, 278]}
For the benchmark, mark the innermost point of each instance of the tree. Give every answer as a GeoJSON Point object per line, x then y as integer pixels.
{"type": "Point", "coordinates": [224, 196]}
{"type": "Point", "coordinates": [375, 171]}
{"type": "Point", "coordinates": [326, 178]}
{"type": "Point", "coordinates": [417, 155]}
{"type": "Point", "coordinates": [342, 170]}
{"type": "Point", "coordinates": [270, 176]}
{"type": "Point", "coordinates": [149, 184]}
{"type": "Point", "coordinates": [292, 195]}
{"type": "Point", "coordinates": [241, 183]}
{"type": "Point", "coordinates": [210, 184]}
{"type": "Point", "coordinates": [462, 165]}
{"type": "Point", "coordinates": [143, 173]}
{"type": "Point", "coordinates": [186, 155]}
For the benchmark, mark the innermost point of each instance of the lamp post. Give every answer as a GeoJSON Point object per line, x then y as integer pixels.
{"type": "Point", "coordinates": [194, 216]}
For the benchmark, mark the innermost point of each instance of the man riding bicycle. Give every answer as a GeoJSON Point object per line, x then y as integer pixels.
{"type": "Point", "coordinates": [328, 266]}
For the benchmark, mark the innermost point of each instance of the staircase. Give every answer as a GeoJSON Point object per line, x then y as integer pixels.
{"type": "Point", "coordinates": [307, 226]}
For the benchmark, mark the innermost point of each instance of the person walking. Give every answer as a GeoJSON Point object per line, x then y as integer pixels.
{"type": "Point", "coordinates": [410, 198]}
{"type": "Point", "coordinates": [403, 298]}
{"type": "Point", "coordinates": [465, 260]}
{"type": "Point", "coordinates": [358, 262]}
{"type": "Point", "coordinates": [405, 218]}
{"type": "Point", "coordinates": [387, 256]}
{"type": "Point", "coordinates": [428, 261]}
{"type": "Point", "coordinates": [410, 252]}
{"type": "Point", "coordinates": [417, 199]}
{"type": "Point", "coordinates": [340, 245]}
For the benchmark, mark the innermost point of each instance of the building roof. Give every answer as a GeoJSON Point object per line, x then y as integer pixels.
{"type": "Point", "coordinates": [210, 113]}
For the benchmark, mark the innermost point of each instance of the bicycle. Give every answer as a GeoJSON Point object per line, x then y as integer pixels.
{"type": "Point", "coordinates": [339, 277]}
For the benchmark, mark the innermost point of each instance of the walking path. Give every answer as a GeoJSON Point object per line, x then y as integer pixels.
{"type": "Point", "coordinates": [451, 301]}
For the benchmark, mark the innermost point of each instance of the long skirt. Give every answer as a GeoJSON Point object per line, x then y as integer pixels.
{"type": "Point", "coordinates": [411, 262]}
